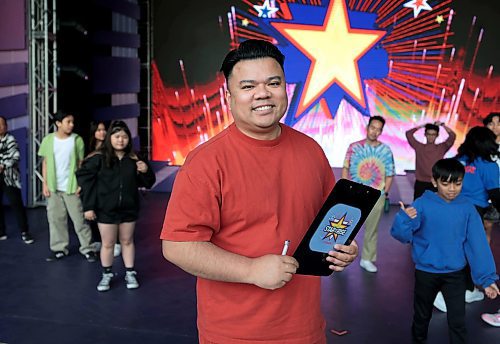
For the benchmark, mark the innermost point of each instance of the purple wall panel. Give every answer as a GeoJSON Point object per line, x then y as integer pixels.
{"type": "Point", "coordinates": [123, 7]}
{"type": "Point", "coordinates": [12, 25]}
{"type": "Point", "coordinates": [14, 106]}
{"type": "Point", "coordinates": [13, 74]}
{"type": "Point", "coordinates": [117, 112]}
{"type": "Point", "coordinates": [14, 56]}
{"type": "Point", "coordinates": [117, 39]}
{"type": "Point", "coordinates": [116, 75]}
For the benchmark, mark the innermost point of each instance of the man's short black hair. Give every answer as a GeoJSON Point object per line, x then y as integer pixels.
{"type": "Point", "coordinates": [488, 119]}
{"type": "Point", "coordinates": [448, 170]}
{"type": "Point", "coordinates": [250, 50]}
{"type": "Point", "coordinates": [431, 126]}
{"type": "Point", "coordinates": [60, 115]}
{"type": "Point", "coordinates": [377, 118]}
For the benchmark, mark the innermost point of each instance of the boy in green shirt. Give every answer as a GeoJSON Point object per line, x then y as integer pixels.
{"type": "Point", "coordinates": [62, 153]}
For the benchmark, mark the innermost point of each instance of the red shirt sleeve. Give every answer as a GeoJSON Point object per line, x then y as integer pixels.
{"type": "Point", "coordinates": [193, 212]}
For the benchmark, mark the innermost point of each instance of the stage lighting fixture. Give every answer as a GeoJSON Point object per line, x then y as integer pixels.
{"type": "Point", "coordinates": [73, 69]}
{"type": "Point", "coordinates": [73, 24]}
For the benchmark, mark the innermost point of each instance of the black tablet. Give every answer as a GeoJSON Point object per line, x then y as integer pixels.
{"type": "Point", "coordinates": [338, 222]}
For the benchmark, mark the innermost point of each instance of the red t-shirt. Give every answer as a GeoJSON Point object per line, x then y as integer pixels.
{"type": "Point", "coordinates": [248, 196]}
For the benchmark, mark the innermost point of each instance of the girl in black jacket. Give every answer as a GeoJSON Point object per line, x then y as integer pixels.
{"type": "Point", "coordinates": [109, 179]}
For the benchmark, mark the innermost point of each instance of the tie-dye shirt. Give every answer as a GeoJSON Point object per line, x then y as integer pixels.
{"type": "Point", "coordinates": [368, 164]}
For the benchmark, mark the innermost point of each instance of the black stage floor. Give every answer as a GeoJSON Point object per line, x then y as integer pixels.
{"type": "Point", "coordinates": [57, 302]}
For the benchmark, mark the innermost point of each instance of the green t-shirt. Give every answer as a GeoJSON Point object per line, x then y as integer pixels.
{"type": "Point", "coordinates": [47, 151]}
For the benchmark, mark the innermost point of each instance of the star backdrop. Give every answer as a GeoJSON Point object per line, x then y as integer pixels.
{"type": "Point", "coordinates": [345, 60]}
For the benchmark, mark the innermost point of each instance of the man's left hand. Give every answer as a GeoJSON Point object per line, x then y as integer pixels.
{"type": "Point", "coordinates": [344, 256]}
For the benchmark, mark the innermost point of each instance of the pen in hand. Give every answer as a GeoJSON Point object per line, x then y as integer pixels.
{"type": "Point", "coordinates": [285, 248]}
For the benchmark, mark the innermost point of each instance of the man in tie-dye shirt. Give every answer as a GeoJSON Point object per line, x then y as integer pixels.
{"type": "Point", "coordinates": [370, 162]}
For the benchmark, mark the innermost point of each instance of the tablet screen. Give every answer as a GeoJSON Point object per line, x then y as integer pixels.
{"type": "Point", "coordinates": [337, 222]}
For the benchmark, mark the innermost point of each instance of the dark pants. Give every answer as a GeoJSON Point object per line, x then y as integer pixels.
{"type": "Point", "coordinates": [16, 203]}
{"type": "Point", "coordinates": [427, 285]}
{"type": "Point", "coordinates": [420, 188]}
{"type": "Point", "coordinates": [469, 284]}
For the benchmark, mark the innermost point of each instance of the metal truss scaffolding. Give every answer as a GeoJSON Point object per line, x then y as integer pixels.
{"type": "Point", "coordinates": [43, 87]}
{"type": "Point", "coordinates": [145, 52]}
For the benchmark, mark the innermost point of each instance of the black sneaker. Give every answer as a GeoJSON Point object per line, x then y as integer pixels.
{"type": "Point", "coordinates": [27, 238]}
{"type": "Point", "coordinates": [90, 256]}
{"type": "Point", "coordinates": [58, 255]}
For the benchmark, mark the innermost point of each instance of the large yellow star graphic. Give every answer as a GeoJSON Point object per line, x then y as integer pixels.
{"type": "Point", "coordinates": [334, 50]}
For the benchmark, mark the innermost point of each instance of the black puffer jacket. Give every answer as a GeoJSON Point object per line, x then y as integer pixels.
{"type": "Point", "coordinates": [114, 188]}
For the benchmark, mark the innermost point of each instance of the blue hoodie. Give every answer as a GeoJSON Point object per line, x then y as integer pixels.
{"type": "Point", "coordinates": [445, 236]}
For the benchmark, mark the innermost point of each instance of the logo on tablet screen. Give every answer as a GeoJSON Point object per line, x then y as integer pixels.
{"type": "Point", "coordinates": [335, 227]}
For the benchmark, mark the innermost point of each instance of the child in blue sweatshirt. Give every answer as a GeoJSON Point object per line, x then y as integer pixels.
{"type": "Point", "coordinates": [446, 233]}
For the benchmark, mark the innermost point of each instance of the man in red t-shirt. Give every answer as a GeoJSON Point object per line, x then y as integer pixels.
{"type": "Point", "coordinates": [235, 201]}
{"type": "Point", "coordinates": [427, 154]}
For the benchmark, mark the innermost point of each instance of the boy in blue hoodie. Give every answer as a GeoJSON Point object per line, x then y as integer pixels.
{"type": "Point", "coordinates": [446, 233]}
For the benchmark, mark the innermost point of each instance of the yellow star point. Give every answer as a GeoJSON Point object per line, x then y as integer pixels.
{"type": "Point", "coordinates": [334, 50]}
{"type": "Point", "coordinates": [245, 22]}
{"type": "Point", "coordinates": [339, 223]}
{"type": "Point", "coordinates": [439, 19]}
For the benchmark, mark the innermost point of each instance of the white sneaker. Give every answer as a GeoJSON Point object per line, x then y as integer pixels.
{"type": "Point", "coordinates": [367, 265]}
{"type": "Point", "coordinates": [117, 250]}
{"type": "Point", "coordinates": [131, 280]}
{"type": "Point", "coordinates": [492, 319]}
{"type": "Point", "coordinates": [105, 282]}
{"type": "Point", "coordinates": [475, 295]}
{"type": "Point", "coordinates": [439, 302]}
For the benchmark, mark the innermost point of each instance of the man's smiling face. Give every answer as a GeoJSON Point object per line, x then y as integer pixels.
{"type": "Point", "coordinates": [257, 97]}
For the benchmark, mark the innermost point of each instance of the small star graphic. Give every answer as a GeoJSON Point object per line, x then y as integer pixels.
{"type": "Point", "coordinates": [418, 6]}
{"type": "Point", "coordinates": [266, 10]}
{"type": "Point", "coordinates": [337, 223]}
{"type": "Point", "coordinates": [439, 19]}
{"type": "Point", "coordinates": [245, 22]}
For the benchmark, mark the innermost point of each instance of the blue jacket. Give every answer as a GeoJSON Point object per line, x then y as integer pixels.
{"type": "Point", "coordinates": [445, 236]}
